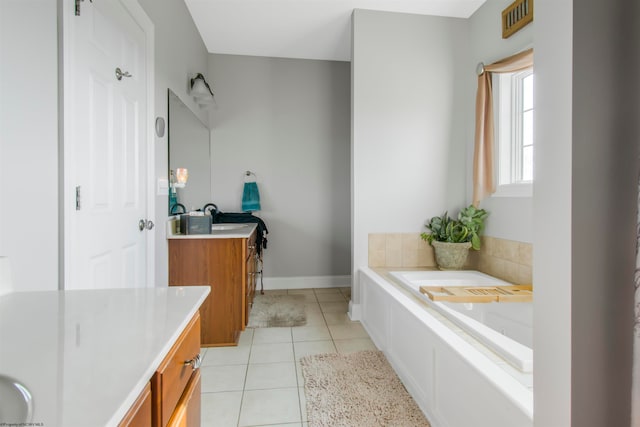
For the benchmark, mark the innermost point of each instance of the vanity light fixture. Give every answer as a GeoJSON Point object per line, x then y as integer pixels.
{"type": "Point", "coordinates": [182, 175]}
{"type": "Point", "coordinates": [201, 91]}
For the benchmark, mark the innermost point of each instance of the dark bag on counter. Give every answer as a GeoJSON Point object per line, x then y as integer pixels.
{"type": "Point", "coordinates": [245, 217]}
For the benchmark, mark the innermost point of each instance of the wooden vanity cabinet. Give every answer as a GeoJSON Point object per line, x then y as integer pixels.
{"type": "Point", "coordinates": [173, 385]}
{"type": "Point", "coordinates": [250, 285]}
{"type": "Point", "coordinates": [172, 397]}
{"type": "Point", "coordinates": [187, 413]}
{"type": "Point", "coordinates": [140, 413]}
{"type": "Point", "coordinates": [223, 265]}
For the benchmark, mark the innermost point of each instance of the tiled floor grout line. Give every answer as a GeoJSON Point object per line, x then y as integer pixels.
{"type": "Point", "coordinates": [303, 338]}
{"type": "Point", "coordinates": [246, 374]}
{"type": "Point", "coordinates": [295, 367]}
{"type": "Point", "coordinates": [296, 361]}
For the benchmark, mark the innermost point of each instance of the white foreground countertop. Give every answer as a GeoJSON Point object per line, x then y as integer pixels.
{"type": "Point", "coordinates": [85, 355]}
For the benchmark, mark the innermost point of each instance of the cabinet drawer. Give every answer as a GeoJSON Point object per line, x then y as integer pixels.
{"type": "Point", "coordinates": [187, 414]}
{"type": "Point", "coordinates": [140, 413]}
{"type": "Point", "coordinates": [172, 376]}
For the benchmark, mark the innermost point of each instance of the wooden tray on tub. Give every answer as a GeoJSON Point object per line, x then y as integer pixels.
{"type": "Point", "coordinates": [514, 293]}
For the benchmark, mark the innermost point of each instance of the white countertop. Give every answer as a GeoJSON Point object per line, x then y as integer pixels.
{"type": "Point", "coordinates": [86, 355]}
{"type": "Point", "coordinates": [243, 232]}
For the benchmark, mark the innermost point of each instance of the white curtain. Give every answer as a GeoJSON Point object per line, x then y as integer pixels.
{"type": "Point", "coordinates": [635, 391]}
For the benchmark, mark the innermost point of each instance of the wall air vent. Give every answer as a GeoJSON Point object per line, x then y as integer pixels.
{"type": "Point", "coordinates": [515, 16]}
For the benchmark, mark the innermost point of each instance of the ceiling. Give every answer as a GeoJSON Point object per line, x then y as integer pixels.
{"type": "Point", "coordinates": [308, 29]}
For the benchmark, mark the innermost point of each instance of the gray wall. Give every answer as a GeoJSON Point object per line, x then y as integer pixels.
{"type": "Point", "coordinates": [510, 217]}
{"type": "Point", "coordinates": [179, 54]}
{"type": "Point", "coordinates": [286, 120]}
{"type": "Point", "coordinates": [408, 140]}
{"type": "Point", "coordinates": [605, 165]}
{"type": "Point", "coordinates": [29, 141]}
{"type": "Point", "coordinates": [584, 210]}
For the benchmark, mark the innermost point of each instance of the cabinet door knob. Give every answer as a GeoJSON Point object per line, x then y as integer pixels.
{"type": "Point", "coordinates": [195, 362]}
{"type": "Point", "coordinates": [252, 246]}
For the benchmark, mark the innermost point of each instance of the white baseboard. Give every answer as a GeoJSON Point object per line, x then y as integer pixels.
{"type": "Point", "coordinates": [355, 312]}
{"type": "Point", "coordinates": [305, 282]}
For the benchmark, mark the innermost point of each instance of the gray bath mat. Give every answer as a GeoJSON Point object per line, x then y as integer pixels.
{"type": "Point", "coordinates": [358, 389]}
{"type": "Point", "coordinates": [271, 310]}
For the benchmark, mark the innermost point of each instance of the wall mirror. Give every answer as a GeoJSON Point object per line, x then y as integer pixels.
{"type": "Point", "coordinates": [189, 148]}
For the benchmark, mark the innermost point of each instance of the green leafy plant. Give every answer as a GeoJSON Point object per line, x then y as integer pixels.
{"type": "Point", "coordinates": [467, 228]}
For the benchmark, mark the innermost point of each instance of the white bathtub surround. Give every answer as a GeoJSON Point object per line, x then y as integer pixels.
{"type": "Point", "coordinates": [508, 260]}
{"type": "Point", "coordinates": [505, 328]}
{"type": "Point", "coordinates": [454, 379]}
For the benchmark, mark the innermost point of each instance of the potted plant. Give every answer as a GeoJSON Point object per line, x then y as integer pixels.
{"type": "Point", "coordinates": [452, 238]}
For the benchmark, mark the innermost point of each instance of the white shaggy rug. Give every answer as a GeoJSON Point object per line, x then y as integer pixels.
{"type": "Point", "coordinates": [273, 310]}
{"type": "Point", "coordinates": [357, 390]}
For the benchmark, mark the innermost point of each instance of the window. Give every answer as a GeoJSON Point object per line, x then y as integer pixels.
{"type": "Point", "coordinates": [513, 97]}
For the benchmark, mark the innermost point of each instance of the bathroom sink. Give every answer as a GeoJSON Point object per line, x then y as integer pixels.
{"type": "Point", "coordinates": [16, 405]}
{"type": "Point", "coordinates": [227, 227]}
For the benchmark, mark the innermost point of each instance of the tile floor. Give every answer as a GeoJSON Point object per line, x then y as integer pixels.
{"type": "Point", "coordinates": [259, 382]}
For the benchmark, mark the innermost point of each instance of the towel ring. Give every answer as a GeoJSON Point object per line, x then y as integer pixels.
{"type": "Point", "coordinates": [248, 175]}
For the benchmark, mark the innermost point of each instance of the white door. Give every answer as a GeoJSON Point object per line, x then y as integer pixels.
{"type": "Point", "coordinates": [106, 149]}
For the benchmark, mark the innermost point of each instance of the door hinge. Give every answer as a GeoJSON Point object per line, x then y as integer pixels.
{"type": "Point", "coordinates": [78, 6]}
{"type": "Point", "coordinates": [78, 198]}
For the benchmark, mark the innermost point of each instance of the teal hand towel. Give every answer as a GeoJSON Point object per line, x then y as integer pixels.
{"type": "Point", "coordinates": [250, 197]}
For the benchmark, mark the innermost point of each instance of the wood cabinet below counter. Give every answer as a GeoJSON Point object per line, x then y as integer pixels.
{"type": "Point", "coordinates": [227, 266]}
{"type": "Point", "coordinates": [140, 413]}
{"type": "Point", "coordinates": [172, 397]}
{"type": "Point", "coordinates": [175, 376]}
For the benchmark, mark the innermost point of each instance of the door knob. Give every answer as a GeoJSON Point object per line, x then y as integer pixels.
{"type": "Point", "coordinates": [120, 74]}
{"type": "Point", "coordinates": [143, 223]}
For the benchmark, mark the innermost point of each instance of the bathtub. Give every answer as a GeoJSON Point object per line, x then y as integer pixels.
{"type": "Point", "coordinates": [505, 328]}
{"type": "Point", "coordinates": [452, 376]}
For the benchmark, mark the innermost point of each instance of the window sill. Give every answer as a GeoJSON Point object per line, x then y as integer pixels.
{"type": "Point", "coordinates": [523, 189]}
